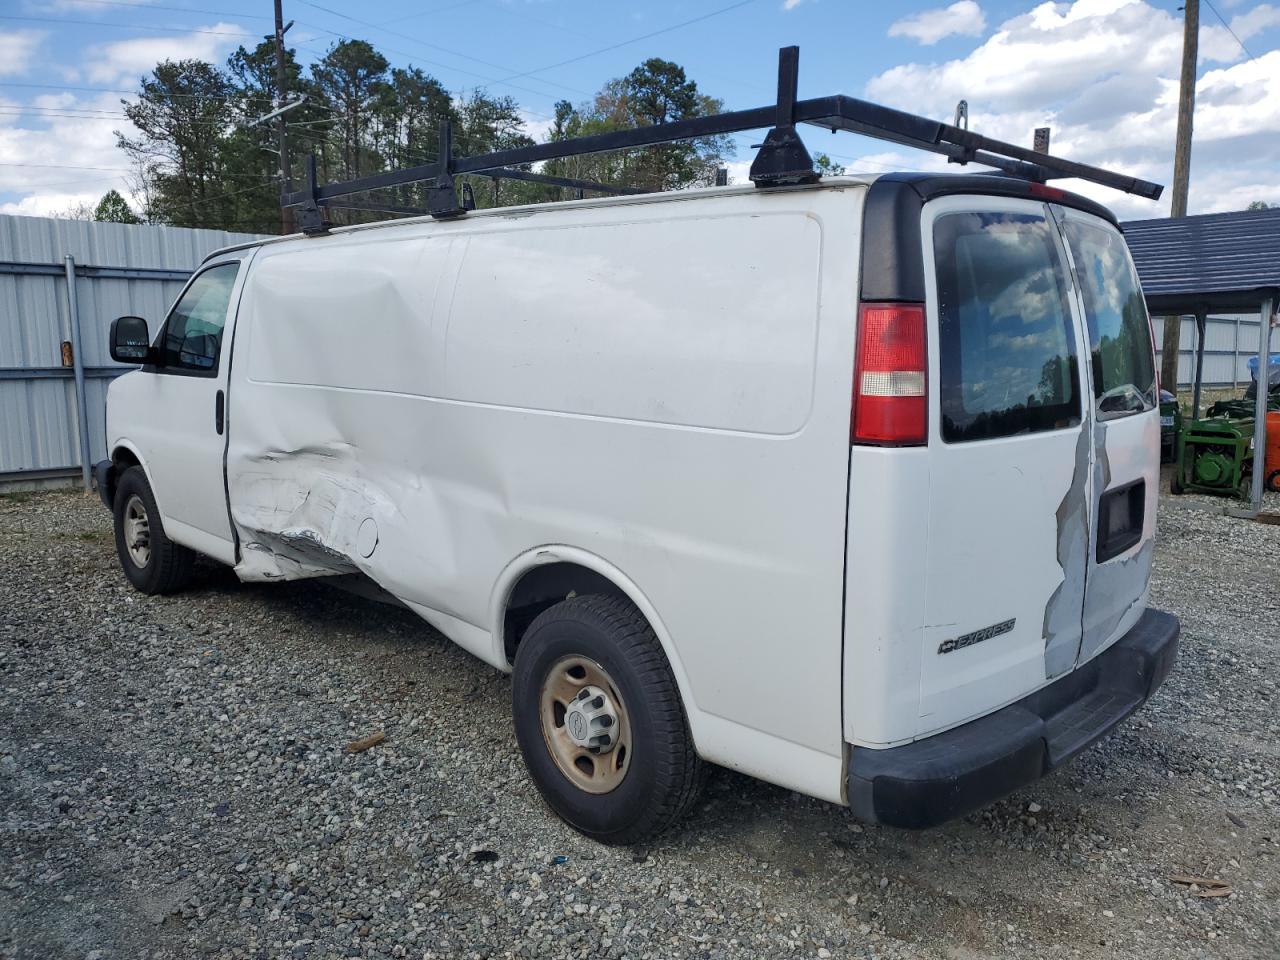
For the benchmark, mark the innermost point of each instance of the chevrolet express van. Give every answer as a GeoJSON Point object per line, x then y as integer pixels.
{"type": "Point", "coordinates": [848, 486]}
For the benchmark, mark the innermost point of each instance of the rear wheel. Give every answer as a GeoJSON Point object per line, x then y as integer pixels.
{"type": "Point", "coordinates": [600, 722]}
{"type": "Point", "coordinates": [152, 562]}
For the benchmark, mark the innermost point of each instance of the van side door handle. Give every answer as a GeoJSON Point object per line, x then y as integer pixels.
{"type": "Point", "coordinates": [219, 411]}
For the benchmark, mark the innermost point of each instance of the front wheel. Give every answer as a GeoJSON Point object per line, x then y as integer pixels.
{"type": "Point", "coordinates": [1273, 481]}
{"type": "Point", "coordinates": [152, 562]}
{"type": "Point", "coordinates": [600, 721]}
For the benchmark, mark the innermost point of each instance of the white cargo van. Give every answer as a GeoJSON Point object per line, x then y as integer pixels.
{"type": "Point", "coordinates": [849, 486]}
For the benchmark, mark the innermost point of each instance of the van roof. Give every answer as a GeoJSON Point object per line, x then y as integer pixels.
{"type": "Point", "coordinates": [999, 184]}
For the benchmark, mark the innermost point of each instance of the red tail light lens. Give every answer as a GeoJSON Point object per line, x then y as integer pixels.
{"type": "Point", "coordinates": [890, 396]}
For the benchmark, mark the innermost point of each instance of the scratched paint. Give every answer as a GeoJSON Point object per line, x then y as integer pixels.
{"type": "Point", "coordinates": [303, 521]}
{"type": "Point", "coordinates": [1063, 611]}
{"type": "Point", "coordinates": [1112, 589]}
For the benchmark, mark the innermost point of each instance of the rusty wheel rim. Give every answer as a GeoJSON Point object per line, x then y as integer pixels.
{"type": "Point", "coordinates": [585, 724]}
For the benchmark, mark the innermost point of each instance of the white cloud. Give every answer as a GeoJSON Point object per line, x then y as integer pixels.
{"type": "Point", "coordinates": [964, 18]}
{"type": "Point", "coordinates": [1103, 74]}
{"type": "Point", "coordinates": [17, 50]}
{"type": "Point", "coordinates": [126, 60]}
{"type": "Point", "coordinates": [537, 125]}
{"type": "Point", "coordinates": [1262, 17]}
{"type": "Point", "coordinates": [49, 204]}
{"type": "Point", "coordinates": [739, 171]}
{"type": "Point", "coordinates": [51, 162]}
{"type": "Point", "coordinates": [791, 4]}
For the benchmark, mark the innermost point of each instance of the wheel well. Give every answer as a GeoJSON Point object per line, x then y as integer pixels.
{"type": "Point", "coordinates": [544, 586]}
{"type": "Point", "coordinates": [122, 458]}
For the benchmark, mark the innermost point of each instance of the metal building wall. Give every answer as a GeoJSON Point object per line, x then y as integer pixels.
{"type": "Point", "coordinates": [121, 269]}
{"type": "Point", "coordinates": [1229, 342]}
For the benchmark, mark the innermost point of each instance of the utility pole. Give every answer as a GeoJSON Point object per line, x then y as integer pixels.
{"type": "Point", "coordinates": [1182, 171]}
{"type": "Point", "coordinates": [286, 213]}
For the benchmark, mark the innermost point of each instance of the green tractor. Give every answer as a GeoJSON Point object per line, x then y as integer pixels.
{"type": "Point", "coordinates": [1214, 455]}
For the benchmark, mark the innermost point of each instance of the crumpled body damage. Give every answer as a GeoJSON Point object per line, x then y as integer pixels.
{"type": "Point", "coordinates": [301, 512]}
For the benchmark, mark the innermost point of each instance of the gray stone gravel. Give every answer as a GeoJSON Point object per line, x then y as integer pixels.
{"type": "Point", "coordinates": [172, 785]}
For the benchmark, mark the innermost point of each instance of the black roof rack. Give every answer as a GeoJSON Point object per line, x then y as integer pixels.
{"type": "Point", "coordinates": [780, 160]}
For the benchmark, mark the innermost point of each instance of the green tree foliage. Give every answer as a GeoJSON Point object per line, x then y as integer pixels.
{"type": "Point", "coordinates": [352, 79]}
{"type": "Point", "coordinates": [826, 166]}
{"type": "Point", "coordinates": [656, 92]}
{"type": "Point", "coordinates": [201, 160]}
{"type": "Point", "coordinates": [1259, 205]}
{"type": "Point", "coordinates": [182, 116]}
{"type": "Point", "coordinates": [113, 208]}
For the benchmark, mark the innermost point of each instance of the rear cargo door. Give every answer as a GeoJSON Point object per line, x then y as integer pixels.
{"type": "Point", "coordinates": [1122, 415]}
{"type": "Point", "coordinates": [1009, 458]}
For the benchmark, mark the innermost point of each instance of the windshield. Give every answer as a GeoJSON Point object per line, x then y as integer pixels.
{"type": "Point", "coordinates": [1124, 378]}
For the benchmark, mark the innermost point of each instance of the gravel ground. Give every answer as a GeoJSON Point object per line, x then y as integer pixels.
{"type": "Point", "coordinates": [173, 785]}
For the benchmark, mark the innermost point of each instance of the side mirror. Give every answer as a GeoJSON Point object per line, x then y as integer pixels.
{"type": "Point", "coordinates": [130, 340]}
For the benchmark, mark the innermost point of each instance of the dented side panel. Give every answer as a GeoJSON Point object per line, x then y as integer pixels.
{"type": "Point", "coordinates": [427, 411]}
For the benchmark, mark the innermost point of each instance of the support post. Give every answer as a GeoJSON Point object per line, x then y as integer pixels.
{"type": "Point", "coordinates": [1235, 358]}
{"type": "Point", "coordinates": [314, 219]}
{"type": "Point", "coordinates": [1182, 165]}
{"type": "Point", "coordinates": [1260, 403]}
{"type": "Point", "coordinates": [783, 158]}
{"type": "Point", "coordinates": [77, 358]}
{"type": "Point", "coordinates": [1195, 396]}
{"type": "Point", "coordinates": [442, 196]}
{"type": "Point", "coordinates": [286, 186]}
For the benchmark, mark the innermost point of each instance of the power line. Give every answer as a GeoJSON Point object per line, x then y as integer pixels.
{"type": "Point", "coordinates": [424, 43]}
{"type": "Point", "coordinates": [125, 26]}
{"type": "Point", "coordinates": [65, 166]}
{"type": "Point", "coordinates": [71, 166]}
{"type": "Point", "coordinates": [1230, 31]}
{"type": "Point", "coordinates": [156, 6]}
{"type": "Point", "coordinates": [421, 59]}
{"type": "Point", "coordinates": [623, 43]}
{"type": "Point", "coordinates": [429, 13]}
{"type": "Point", "coordinates": [60, 86]}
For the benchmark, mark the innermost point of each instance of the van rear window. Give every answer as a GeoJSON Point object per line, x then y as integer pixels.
{"type": "Point", "coordinates": [1007, 359]}
{"type": "Point", "coordinates": [1124, 376]}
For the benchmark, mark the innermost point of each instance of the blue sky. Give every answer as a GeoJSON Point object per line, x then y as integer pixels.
{"type": "Point", "coordinates": [1102, 73]}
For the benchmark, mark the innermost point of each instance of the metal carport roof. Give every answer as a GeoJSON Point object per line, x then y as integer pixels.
{"type": "Point", "coordinates": [1215, 261]}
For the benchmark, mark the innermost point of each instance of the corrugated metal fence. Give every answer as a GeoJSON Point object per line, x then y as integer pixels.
{"type": "Point", "coordinates": [1229, 342]}
{"type": "Point", "coordinates": [119, 269]}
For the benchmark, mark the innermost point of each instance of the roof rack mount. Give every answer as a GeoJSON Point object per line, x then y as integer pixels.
{"type": "Point", "coordinates": [780, 159]}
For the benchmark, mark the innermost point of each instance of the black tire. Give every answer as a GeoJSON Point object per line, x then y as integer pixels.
{"type": "Point", "coordinates": [168, 565]}
{"type": "Point", "coordinates": [661, 781]}
{"type": "Point", "coordinates": [1273, 481]}
{"type": "Point", "coordinates": [1175, 484]}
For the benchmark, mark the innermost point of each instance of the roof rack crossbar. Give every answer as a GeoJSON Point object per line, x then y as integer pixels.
{"type": "Point", "coordinates": [782, 157]}
{"type": "Point", "coordinates": [573, 183]}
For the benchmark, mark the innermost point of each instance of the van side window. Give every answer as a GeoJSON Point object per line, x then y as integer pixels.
{"type": "Point", "coordinates": [193, 333]}
{"type": "Point", "coordinates": [1124, 376]}
{"type": "Point", "coordinates": [1008, 358]}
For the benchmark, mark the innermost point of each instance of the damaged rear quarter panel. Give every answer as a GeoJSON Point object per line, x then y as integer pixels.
{"type": "Point", "coordinates": [1116, 592]}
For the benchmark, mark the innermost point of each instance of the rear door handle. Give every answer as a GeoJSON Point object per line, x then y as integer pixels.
{"type": "Point", "coordinates": [219, 411]}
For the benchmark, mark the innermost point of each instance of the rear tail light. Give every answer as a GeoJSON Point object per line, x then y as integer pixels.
{"type": "Point", "coordinates": [889, 377]}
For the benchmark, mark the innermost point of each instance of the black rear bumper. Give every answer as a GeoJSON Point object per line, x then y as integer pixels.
{"type": "Point", "coordinates": [934, 780]}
